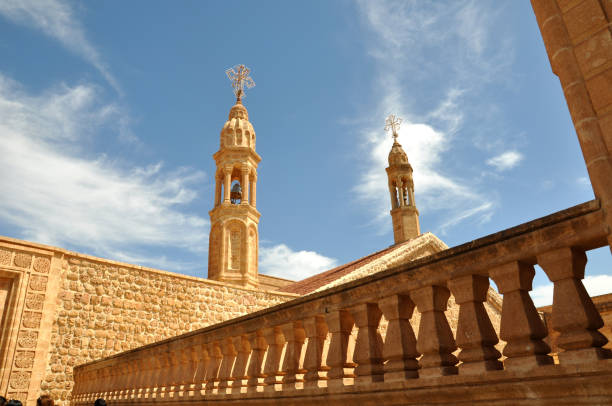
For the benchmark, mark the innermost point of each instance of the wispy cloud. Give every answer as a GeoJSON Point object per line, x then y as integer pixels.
{"type": "Point", "coordinates": [595, 285]}
{"type": "Point", "coordinates": [506, 160]}
{"type": "Point", "coordinates": [58, 193]}
{"type": "Point", "coordinates": [282, 261]}
{"type": "Point", "coordinates": [57, 19]}
{"type": "Point", "coordinates": [432, 58]}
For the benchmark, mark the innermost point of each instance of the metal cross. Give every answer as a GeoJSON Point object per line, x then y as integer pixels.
{"type": "Point", "coordinates": [239, 76]}
{"type": "Point", "coordinates": [393, 123]}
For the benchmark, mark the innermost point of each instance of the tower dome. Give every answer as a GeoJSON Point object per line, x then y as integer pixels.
{"type": "Point", "coordinates": [237, 130]}
{"type": "Point", "coordinates": [397, 156]}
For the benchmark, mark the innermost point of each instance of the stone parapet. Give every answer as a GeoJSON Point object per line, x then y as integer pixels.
{"type": "Point", "coordinates": [242, 360]}
{"type": "Point", "coordinates": [59, 309]}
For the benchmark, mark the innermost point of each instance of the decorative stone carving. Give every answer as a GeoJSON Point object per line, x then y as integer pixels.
{"type": "Point", "coordinates": [34, 301]}
{"type": "Point", "coordinates": [27, 339]}
{"type": "Point", "coordinates": [22, 260]}
{"type": "Point", "coordinates": [24, 359]}
{"type": "Point", "coordinates": [38, 283]}
{"type": "Point", "coordinates": [31, 319]}
{"type": "Point", "coordinates": [20, 380]}
{"type": "Point", "coordinates": [42, 265]}
{"type": "Point", "coordinates": [5, 257]}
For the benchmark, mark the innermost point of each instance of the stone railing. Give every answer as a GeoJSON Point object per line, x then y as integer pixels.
{"type": "Point", "coordinates": [300, 351]}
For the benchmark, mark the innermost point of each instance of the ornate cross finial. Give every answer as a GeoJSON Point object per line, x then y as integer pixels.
{"type": "Point", "coordinates": [239, 76]}
{"type": "Point", "coordinates": [393, 123]}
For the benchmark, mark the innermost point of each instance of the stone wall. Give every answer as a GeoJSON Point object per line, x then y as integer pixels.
{"type": "Point", "coordinates": [64, 309]}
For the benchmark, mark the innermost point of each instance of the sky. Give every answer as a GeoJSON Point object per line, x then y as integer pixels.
{"type": "Point", "coordinates": [110, 113]}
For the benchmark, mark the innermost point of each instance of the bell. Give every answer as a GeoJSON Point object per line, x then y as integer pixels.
{"type": "Point", "coordinates": [236, 194]}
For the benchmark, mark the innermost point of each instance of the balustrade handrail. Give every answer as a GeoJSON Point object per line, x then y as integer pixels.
{"type": "Point", "coordinates": [244, 354]}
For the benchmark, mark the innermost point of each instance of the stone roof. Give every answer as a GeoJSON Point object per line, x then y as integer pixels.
{"type": "Point", "coordinates": [421, 246]}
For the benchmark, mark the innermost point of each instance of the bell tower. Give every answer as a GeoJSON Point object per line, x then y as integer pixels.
{"type": "Point", "coordinates": [234, 237]}
{"type": "Point", "coordinates": [404, 213]}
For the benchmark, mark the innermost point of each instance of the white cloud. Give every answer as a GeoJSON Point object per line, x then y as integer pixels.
{"type": "Point", "coordinates": [506, 160]}
{"type": "Point", "coordinates": [595, 285]}
{"type": "Point", "coordinates": [57, 19]}
{"type": "Point", "coordinates": [283, 262]}
{"type": "Point", "coordinates": [56, 193]}
{"type": "Point", "coordinates": [440, 51]}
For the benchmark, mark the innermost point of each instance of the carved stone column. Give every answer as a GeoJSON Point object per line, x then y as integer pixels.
{"type": "Point", "coordinates": [400, 191]}
{"type": "Point", "coordinates": [574, 315]}
{"type": "Point", "coordinates": [400, 342]}
{"type": "Point", "coordinates": [295, 335]}
{"type": "Point", "coordinates": [254, 191]}
{"type": "Point", "coordinates": [258, 351]}
{"type": "Point", "coordinates": [227, 184]}
{"type": "Point", "coordinates": [316, 331]}
{"type": "Point", "coordinates": [476, 336]}
{"type": "Point", "coordinates": [435, 340]}
{"type": "Point", "coordinates": [245, 185]}
{"type": "Point", "coordinates": [239, 372]}
{"type": "Point", "coordinates": [521, 326]}
{"type": "Point", "coordinates": [227, 364]}
{"type": "Point", "coordinates": [213, 368]}
{"type": "Point", "coordinates": [368, 348]}
{"type": "Point", "coordinates": [275, 342]}
{"type": "Point", "coordinates": [340, 324]}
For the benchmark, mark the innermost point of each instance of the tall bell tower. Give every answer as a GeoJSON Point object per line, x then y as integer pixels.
{"type": "Point", "coordinates": [404, 213]}
{"type": "Point", "coordinates": [234, 236]}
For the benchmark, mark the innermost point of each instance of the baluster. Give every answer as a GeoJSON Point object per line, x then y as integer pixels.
{"type": "Point", "coordinates": [213, 368]}
{"type": "Point", "coordinates": [340, 325]}
{"type": "Point", "coordinates": [574, 315]}
{"type": "Point", "coordinates": [201, 359]}
{"type": "Point", "coordinates": [399, 348]}
{"type": "Point", "coordinates": [316, 331]}
{"type": "Point", "coordinates": [239, 372]}
{"type": "Point", "coordinates": [368, 348]}
{"type": "Point", "coordinates": [167, 369]}
{"type": "Point", "coordinates": [435, 340]}
{"type": "Point", "coordinates": [275, 342]}
{"type": "Point", "coordinates": [150, 377]}
{"type": "Point", "coordinates": [227, 364]}
{"type": "Point", "coordinates": [521, 326]}
{"type": "Point", "coordinates": [258, 351]}
{"type": "Point", "coordinates": [295, 335]}
{"type": "Point", "coordinates": [476, 336]}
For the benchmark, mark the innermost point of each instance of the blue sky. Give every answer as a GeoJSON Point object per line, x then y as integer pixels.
{"type": "Point", "coordinates": [110, 113]}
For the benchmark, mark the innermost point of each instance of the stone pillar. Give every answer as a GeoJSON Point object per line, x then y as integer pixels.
{"type": "Point", "coordinates": [521, 326]}
{"type": "Point", "coordinates": [201, 359]}
{"type": "Point", "coordinates": [217, 190]}
{"type": "Point", "coordinates": [368, 348]}
{"type": "Point", "coordinates": [476, 336]}
{"type": "Point", "coordinates": [411, 192]}
{"type": "Point", "coordinates": [275, 342]}
{"type": "Point", "coordinates": [227, 364]}
{"type": "Point", "coordinates": [400, 342]}
{"type": "Point", "coordinates": [435, 340]}
{"type": "Point", "coordinates": [340, 325]}
{"type": "Point", "coordinates": [400, 191]}
{"type": "Point", "coordinates": [393, 195]}
{"type": "Point", "coordinates": [316, 331]}
{"type": "Point", "coordinates": [258, 350]}
{"type": "Point", "coordinates": [254, 191]}
{"type": "Point", "coordinates": [213, 368]}
{"type": "Point", "coordinates": [574, 315]}
{"type": "Point", "coordinates": [227, 184]}
{"type": "Point", "coordinates": [295, 335]}
{"type": "Point", "coordinates": [239, 372]}
{"type": "Point", "coordinates": [245, 185]}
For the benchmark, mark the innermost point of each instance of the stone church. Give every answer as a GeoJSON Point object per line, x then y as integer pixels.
{"type": "Point", "coordinates": [61, 309]}
{"type": "Point", "coordinates": [383, 329]}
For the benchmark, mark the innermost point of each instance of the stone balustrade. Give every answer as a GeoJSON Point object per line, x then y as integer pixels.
{"type": "Point", "coordinates": [304, 350]}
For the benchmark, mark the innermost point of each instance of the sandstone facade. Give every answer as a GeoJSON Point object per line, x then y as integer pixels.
{"type": "Point", "coordinates": [62, 309]}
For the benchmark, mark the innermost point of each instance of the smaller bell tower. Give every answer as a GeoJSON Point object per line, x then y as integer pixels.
{"type": "Point", "coordinates": [234, 237]}
{"type": "Point", "coordinates": [404, 213]}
